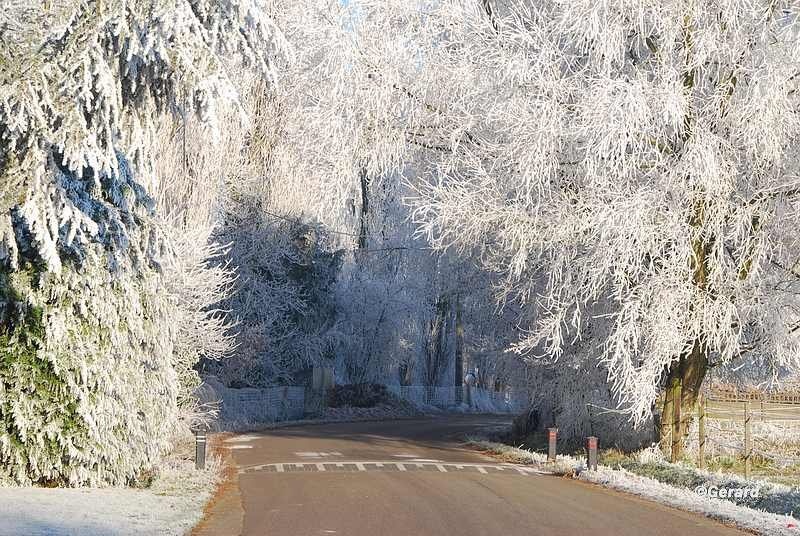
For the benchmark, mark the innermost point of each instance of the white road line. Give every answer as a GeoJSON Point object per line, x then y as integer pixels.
{"type": "Point", "coordinates": [361, 465]}
{"type": "Point", "coordinates": [240, 439]}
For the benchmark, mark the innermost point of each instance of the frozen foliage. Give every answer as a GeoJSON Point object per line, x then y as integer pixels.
{"type": "Point", "coordinates": [628, 171]}
{"type": "Point", "coordinates": [189, 194]}
{"type": "Point", "coordinates": [89, 368]}
{"type": "Point", "coordinates": [313, 159]}
{"type": "Point", "coordinates": [281, 297]}
{"type": "Point", "coordinates": [630, 165]}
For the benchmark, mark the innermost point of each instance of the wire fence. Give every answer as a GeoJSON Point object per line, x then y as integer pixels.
{"type": "Point", "coordinates": [749, 428]}
{"type": "Point", "coordinates": [789, 394]}
{"type": "Point", "coordinates": [261, 405]}
{"type": "Point", "coordinates": [241, 407]}
{"type": "Point", "coordinates": [463, 397]}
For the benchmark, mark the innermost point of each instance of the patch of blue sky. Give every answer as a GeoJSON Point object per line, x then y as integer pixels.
{"type": "Point", "coordinates": [352, 14]}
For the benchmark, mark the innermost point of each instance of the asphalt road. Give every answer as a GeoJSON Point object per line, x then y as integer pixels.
{"type": "Point", "coordinates": [413, 478]}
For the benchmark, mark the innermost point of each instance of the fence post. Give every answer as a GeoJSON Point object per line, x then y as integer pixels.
{"type": "Point", "coordinates": [701, 429]}
{"type": "Point", "coordinates": [748, 440]}
{"type": "Point", "coordinates": [552, 435]}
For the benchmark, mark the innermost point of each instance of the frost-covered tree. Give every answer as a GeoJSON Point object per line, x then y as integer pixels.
{"type": "Point", "coordinates": [89, 382]}
{"type": "Point", "coordinates": [357, 120]}
{"type": "Point", "coordinates": [631, 161]}
{"type": "Point", "coordinates": [282, 298]}
{"type": "Point", "coordinates": [190, 192]}
{"type": "Point", "coordinates": [314, 153]}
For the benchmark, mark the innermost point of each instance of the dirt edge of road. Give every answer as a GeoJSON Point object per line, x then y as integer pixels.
{"type": "Point", "coordinates": [224, 510]}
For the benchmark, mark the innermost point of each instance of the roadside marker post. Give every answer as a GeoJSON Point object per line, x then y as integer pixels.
{"type": "Point", "coordinates": [199, 448]}
{"type": "Point", "coordinates": [591, 453]}
{"type": "Point", "coordinates": [552, 436]}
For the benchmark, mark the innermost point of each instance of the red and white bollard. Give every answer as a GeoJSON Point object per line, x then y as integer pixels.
{"type": "Point", "coordinates": [552, 437]}
{"type": "Point", "coordinates": [591, 453]}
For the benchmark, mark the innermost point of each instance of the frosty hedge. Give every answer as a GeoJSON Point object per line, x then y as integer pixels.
{"type": "Point", "coordinates": [88, 378]}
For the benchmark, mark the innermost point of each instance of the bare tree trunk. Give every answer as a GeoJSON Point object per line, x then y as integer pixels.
{"type": "Point", "coordinates": [487, 7]}
{"type": "Point", "coordinates": [459, 357]}
{"type": "Point", "coordinates": [437, 342]}
{"type": "Point", "coordinates": [364, 224]}
{"type": "Point", "coordinates": [684, 383]}
{"type": "Point", "coordinates": [686, 376]}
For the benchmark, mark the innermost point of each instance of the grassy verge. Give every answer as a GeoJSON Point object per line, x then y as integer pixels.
{"type": "Point", "coordinates": [772, 497]}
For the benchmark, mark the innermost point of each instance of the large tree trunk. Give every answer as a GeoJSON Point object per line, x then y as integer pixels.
{"type": "Point", "coordinates": [363, 217]}
{"type": "Point", "coordinates": [686, 376]}
{"type": "Point", "coordinates": [459, 357]}
{"type": "Point", "coordinates": [436, 346]}
{"type": "Point", "coordinates": [680, 399]}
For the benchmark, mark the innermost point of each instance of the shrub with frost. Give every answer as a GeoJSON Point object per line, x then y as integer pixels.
{"type": "Point", "coordinates": [88, 378]}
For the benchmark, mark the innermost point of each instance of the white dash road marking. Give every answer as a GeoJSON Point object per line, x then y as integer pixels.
{"type": "Point", "coordinates": [239, 447]}
{"type": "Point", "coordinates": [241, 439]}
{"type": "Point", "coordinates": [442, 467]}
{"type": "Point", "coordinates": [317, 454]}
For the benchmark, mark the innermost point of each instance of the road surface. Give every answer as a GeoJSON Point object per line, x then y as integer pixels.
{"type": "Point", "coordinates": [412, 477]}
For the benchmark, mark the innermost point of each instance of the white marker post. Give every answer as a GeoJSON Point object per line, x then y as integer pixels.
{"type": "Point", "coordinates": [199, 448]}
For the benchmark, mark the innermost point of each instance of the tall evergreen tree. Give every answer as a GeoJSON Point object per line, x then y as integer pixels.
{"type": "Point", "coordinates": [88, 382]}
